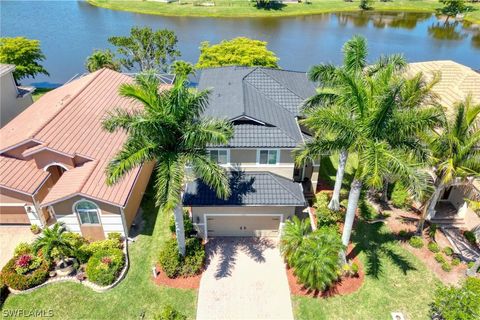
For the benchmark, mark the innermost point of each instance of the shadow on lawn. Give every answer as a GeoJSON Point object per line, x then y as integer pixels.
{"type": "Point", "coordinates": [377, 242]}
{"type": "Point", "coordinates": [228, 248]}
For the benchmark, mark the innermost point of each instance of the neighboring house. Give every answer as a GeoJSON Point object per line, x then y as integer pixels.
{"type": "Point", "coordinates": [264, 106]}
{"type": "Point", "coordinates": [14, 98]}
{"type": "Point", "coordinates": [53, 158]}
{"type": "Point", "coordinates": [456, 82]}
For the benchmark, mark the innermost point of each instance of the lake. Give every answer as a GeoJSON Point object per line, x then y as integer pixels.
{"type": "Point", "coordinates": [70, 30]}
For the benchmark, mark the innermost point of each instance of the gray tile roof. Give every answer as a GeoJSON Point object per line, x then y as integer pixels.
{"type": "Point", "coordinates": [248, 189]}
{"type": "Point", "coordinates": [271, 96]}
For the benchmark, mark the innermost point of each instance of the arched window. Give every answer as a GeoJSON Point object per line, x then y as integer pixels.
{"type": "Point", "coordinates": [87, 211]}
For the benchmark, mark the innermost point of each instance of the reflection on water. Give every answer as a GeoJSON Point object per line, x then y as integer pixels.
{"type": "Point", "coordinates": [70, 30]}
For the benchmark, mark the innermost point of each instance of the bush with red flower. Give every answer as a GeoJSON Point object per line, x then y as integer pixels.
{"type": "Point", "coordinates": [25, 271]}
{"type": "Point", "coordinates": [104, 266]}
{"type": "Point", "coordinates": [26, 262]}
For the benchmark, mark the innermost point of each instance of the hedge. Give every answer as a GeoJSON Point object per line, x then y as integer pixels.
{"type": "Point", "coordinates": [105, 265]}
{"type": "Point", "coordinates": [174, 265]}
{"type": "Point", "coordinates": [24, 281]}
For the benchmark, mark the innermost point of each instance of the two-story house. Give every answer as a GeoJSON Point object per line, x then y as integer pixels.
{"type": "Point", "coordinates": [13, 98]}
{"type": "Point", "coordinates": [264, 106]}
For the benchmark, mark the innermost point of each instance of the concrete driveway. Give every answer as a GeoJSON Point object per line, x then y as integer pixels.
{"type": "Point", "coordinates": [10, 237]}
{"type": "Point", "coordinates": [245, 279]}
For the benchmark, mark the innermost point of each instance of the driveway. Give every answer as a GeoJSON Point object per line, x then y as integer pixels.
{"type": "Point", "coordinates": [10, 237]}
{"type": "Point", "coordinates": [245, 279]}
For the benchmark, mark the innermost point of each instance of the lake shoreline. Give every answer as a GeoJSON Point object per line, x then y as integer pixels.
{"type": "Point", "coordinates": [244, 10]}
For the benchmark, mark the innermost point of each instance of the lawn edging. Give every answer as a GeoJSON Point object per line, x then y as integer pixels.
{"type": "Point", "coordinates": [88, 284]}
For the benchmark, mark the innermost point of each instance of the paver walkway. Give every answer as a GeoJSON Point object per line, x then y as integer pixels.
{"type": "Point", "coordinates": [245, 279]}
{"type": "Point", "coordinates": [10, 237]}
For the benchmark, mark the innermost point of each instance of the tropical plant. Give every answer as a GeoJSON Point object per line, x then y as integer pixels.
{"type": "Point", "coordinates": [239, 51]}
{"type": "Point", "coordinates": [455, 153]}
{"type": "Point", "coordinates": [182, 69]}
{"type": "Point", "coordinates": [400, 196]}
{"type": "Point", "coordinates": [170, 131]}
{"type": "Point", "coordinates": [453, 303]}
{"type": "Point", "coordinates": [104, 267]}
{"type": "Point", "coordinates": [382, 127]}
{"type": "Point", "coordinates": [102, 59]}
{"type": "Point", "coordinates": [294, 233]}
{"type": "Point", "coordinates": [53, 240]}
{"type": "Point", "coordinates": [317, 265]}
{"type": "Point", "coordinates": [25, 54]}
{"type": "Point", "coordinates": [145, 49]}
{"type": "Point", "coordinates": [336, 88]}
{"type": "Point", "coordinates": [416, 242]}
{"type": "Point", "coordinates": [23, 281]}
{"type": "Point", "coordinates": [169, 313]}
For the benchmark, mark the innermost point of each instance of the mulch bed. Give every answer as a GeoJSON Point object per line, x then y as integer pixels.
{"type": "Point", "coordinates": [179, 283]}
{"type": "Point", "coordinates": [345, 285]}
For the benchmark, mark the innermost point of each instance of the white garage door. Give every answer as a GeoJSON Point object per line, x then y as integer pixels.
{"type": "Point", "coordinates": [243, 226]}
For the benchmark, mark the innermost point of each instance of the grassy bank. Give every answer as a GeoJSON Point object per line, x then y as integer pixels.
{"type": "Point", "coordinates": [135, 296]}
{"type": "Point", "coordinates": [245, 8]}
{"type": "Point", "coordinates": [40, 92]}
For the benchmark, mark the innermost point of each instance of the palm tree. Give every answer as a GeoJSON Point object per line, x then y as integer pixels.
{"type": "Point", "coordinates": [336, 86]}
{"type": "Point", "coordinates": [382, 129]}
{"type": "Point", "coordinates": [102, 59]}
{"type": "Point", "coordinates": [455, 152]}
{"type": "Point", "coordinates": [53, 239]}
{"type": "Point", "coordinates": [294, 233]}
{"type": "Point", "coordinates": [170, 131]}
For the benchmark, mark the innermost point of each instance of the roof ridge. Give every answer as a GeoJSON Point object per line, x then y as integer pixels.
{"type": "Point", "coordinates": [95, 76]}
{"type": "Point", "coordinates": [275, 177]}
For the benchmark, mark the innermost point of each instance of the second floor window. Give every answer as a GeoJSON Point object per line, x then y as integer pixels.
{"type": "Point", "coordinates": [268, 156]}
{"type": "Point", "coordinates": [220, 156]}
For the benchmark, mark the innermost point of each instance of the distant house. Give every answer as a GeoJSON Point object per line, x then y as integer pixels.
{"type": "Point", "coordinates": [14, 98]}
{"type": "Point", "coordinates": [264, 106]}
{"type": "Point", "coordinates": [456, 83]}
{"type": "Point", "coordinates": [53, 158]}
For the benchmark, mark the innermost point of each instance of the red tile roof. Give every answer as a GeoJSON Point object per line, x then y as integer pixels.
{"type": "Point", "coordinates": [19, 175]}
{"type": "Point", "coordinates": [68, 120]}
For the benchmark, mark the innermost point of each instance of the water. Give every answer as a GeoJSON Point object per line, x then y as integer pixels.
{"type": "Point", "coordinates": [70, 30]}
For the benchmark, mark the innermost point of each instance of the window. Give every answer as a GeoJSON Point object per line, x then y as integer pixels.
{"type": "Point", "coordinates": [220, 156]}
{"type": "Point", "coordinates": [268, 156]}
{"type": "Point", "coordinates": [87, 212]}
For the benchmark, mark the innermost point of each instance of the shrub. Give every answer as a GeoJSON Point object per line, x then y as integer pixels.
{"type": "Point", "coordinates": [170, 259]}
{"type": "Point", "coordinates": [350, 269]}
{"type": "Point", "coordinates": [174, 265]}
{"type": "Point", "coordinates": [367, 211]}
{"type": "Point", "coordinates": [294, 233]}
{"type": "Point", "coordinates": [433, 247]}
{"type": "Point", "coordinates": [432, 231]}
{"type": "Point", "coordinates": [316, 266]}
{"type": "Point", "coordinates": [102, 245]}
{"type": "Point", "coordinates": [187, 224]}
{"type": "Point", "coordinates": [115, 236]}
{"type": "Point", "coordinates": [470, 236]}
{"type": "Point", "coordinates": [470, 264]}
{"type": "Point", "coordinates": [23, 248]}
{"type": "Point", "coordinates": [169, 313]}
{"type": "Point", "coordinates": [440, 258]}
{"type": "Point", "coordinates": [403, 234]}
{"type": "Point", "coordinates": [78, 245]}
{"type": "Point", "coordinates": [355, 268]}
{"type": "Point", "coordinates": [325, 216]}
{"type": "Point", "coordinates": [451, 303]}
{"type": "Point", "coordinates": [416, 242]}
{"type": "Point", "coordinates": [455, 262]}
{"type": "Point", "coordinates": [35, 228]}
{"type": "Point", "coordinates": [23, 281]}
{"type": "Point", "coordinates": [105, 265]}
{"type": "Point", "coordinates": [446, 267]}
{"type": "Point", "coordinates": [448, 251]}
{"type": "Point", "coordinates": [400, 196]}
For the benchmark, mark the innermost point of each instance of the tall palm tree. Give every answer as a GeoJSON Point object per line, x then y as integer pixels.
{"type": "Point", "coordinates": [382, 130]}
{"type": "Point", "coordinates": [53, 239]}
{"type": "Point", "coordinates": [336, 87]}
{"type": "Point", "coordinates": [455, 149]}
{"type": "Point", "coordinates": [170, 131]}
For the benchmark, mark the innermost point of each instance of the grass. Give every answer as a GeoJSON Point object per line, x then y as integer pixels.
{"type": "Point", "coordinates": [246, 8]}
{"type": "Point", "coordinates": [134, 296]}
{"type": "Point", "coordinates": [40, 92]}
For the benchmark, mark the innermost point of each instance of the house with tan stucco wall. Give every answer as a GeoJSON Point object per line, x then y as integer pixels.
{"type": "Point", "coordinates": [53, 157]}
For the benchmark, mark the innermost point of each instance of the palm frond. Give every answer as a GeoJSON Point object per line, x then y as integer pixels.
{"type": "Point", "coordinates": [211, 173]}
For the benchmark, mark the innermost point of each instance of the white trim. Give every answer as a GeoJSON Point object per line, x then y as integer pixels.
{"type": "Point", "coordinates": [221, 149]}
{"type": "Point", "coordinates": [19, 144]}
{"type": "Point", "coordinates": [12, 204]}
{"type": "Point", "coordinates": [99, 213]}
{"type": "Point", "coordinates": [55, 164]}
{"type": "Point", "coordinates": [27, 153]}
{"type": "Point", "coordinates": [205, 219]}
{"type": "Point", "coordinates": [266, 164]}
{"type": "Point", "coordinates": [242, 117]}
{"type": "Point", "coordinates": [124, 222]}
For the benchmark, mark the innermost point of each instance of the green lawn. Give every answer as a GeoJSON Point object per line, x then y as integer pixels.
{"type": "Point", "coordinates": [245, 8]}
{"type": "Point", "coordinates": [40, 92]}
{"type": "Point", "coordinates": [135, 295]}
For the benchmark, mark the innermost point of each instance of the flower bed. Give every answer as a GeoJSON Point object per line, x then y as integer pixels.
{"type": "Point", "coordinates": [25, 271]}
